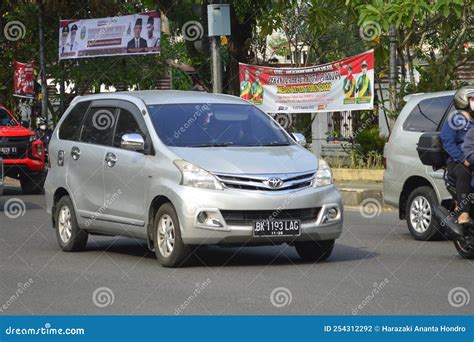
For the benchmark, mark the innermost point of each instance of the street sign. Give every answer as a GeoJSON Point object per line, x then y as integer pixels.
{"type": "Point", "coordinates": [218, 20]}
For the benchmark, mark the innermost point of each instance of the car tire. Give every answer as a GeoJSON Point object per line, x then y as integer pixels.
{"type": "Point", "coordinates": [465, 251]}
{"type": "Point", "coordinates": [421, 221]}
{"type": "Point", "coordinates": [32, 184]}
{"type": "Point", "coordinates": [314, 250]}
{"type": "Point", "coordinates": [169, 247]}
{"type": "Point", "coordinates": [70, 237]}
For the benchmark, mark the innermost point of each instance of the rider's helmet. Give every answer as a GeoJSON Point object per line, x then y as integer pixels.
{"type": "Point", "coordinates": [461, 98]}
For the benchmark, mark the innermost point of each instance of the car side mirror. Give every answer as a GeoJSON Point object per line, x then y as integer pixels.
{"type": "Point", "coordinates": [299, 138]}
{"type": "Point", "coordinates": [133, 142]}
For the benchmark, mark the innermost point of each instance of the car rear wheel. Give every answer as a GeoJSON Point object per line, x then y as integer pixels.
{"type": "Point", "coordinates": [32, 184]}
{"type": "Point", "coordinates": [169, 247]}
{"type": "Point", "coordinates": [421, 221]}
{"type": "Point", "coordinates": [314, 250]}
{"type": "Point", "coordinates": [70, 237]}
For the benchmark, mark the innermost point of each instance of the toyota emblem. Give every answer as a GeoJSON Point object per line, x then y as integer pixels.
{"type": "Point", "coordinates": [274, 182]}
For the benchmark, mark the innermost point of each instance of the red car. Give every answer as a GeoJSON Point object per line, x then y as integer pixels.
{"type": "Point", "coordinates": [22, 154]}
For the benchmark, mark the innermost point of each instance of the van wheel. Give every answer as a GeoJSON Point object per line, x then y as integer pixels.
{"type": "Point", "coordinates": [169, 247]}
{"type": "Point", "coordinates": [314, 250]}
{"type": "Point", "coordinates": [32, 184]}
{"type": "Point", "coordinates": [70, 237]}
{"type": "Point", "coordinates": [420, 218]}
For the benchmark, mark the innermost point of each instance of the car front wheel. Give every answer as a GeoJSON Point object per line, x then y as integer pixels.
{"type": "Point", "coordinates": [169, 247]}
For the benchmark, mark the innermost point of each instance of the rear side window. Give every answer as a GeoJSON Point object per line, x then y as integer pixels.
{"type": "Point", "coordinates": [98, 126]}
{"type": "Point", "coordinates": [71, 127]}
{"type": "Point", "coordinates": [427, 114]}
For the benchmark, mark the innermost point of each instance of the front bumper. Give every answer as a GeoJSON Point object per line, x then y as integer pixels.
{"type": "Point", "coordinates": [192, 201]}
{"type": "Point", "coordinates": [13, 167]}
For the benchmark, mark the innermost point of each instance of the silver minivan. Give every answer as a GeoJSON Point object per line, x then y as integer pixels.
{"type": "Point", "coordinates": [181, 169]}
{"type": "Point", "coordinates": [408, 184]}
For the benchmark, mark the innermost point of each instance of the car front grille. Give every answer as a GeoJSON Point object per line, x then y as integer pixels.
{"type": "Point", "coordinates": [290, 181]}
{"type": "Point", "coordinates": [247, 217]}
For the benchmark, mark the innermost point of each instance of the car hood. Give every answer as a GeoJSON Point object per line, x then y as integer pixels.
{"type": "Point", "coordinates": [255, 160]}
{"type": "Point", "coordinates": [15, 131]}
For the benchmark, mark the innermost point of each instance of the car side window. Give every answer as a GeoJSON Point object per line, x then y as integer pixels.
{"type": "Point", "coordinates": [427, 114]}
{"type": "Point", "coordinates": [126, 124]}
{"type": "Point", "coordinates": [71, 127]}
{"type": "Point", "coordinates": [98, 126]}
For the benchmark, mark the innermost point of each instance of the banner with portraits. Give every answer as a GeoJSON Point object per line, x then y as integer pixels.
{"type": "Point", "coordinates": [347, 84]}
{"type": "Point", "coordinates": [120, 35]}
{"type": "Point", "coordinates": [23, 80]}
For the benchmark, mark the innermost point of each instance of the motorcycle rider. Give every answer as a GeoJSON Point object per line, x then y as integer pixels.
{"type": "Point", "coordinates": [453, 135]}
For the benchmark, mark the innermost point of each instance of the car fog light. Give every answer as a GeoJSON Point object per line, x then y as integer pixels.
{"type": "Point", "coordinates": [332, 213]}
{"type": "Point", "coordinates": [202, 217]}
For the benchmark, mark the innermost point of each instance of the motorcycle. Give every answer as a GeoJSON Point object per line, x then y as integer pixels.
{"type": "Point", "coordinates": [431, 153]}
{"type": "Point", "coordinates": [43, 133]}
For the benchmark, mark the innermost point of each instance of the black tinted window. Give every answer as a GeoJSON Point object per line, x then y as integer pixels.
{"type": "Point", "coordinates": [71, 127]}
{"type": "Point", "coordinates": [427, 114]}
{"type": "Point", "coordinates": [126, 124]}
{"type": "Point", "coordinates": [98, 126]}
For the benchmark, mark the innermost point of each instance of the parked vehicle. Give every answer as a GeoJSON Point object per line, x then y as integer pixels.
{"type": "Point", "coordinates": [408, 184]}
{"type": "Point", "coordinates": [181, 169]}
{"type": "Point", "coordinates": [22, 153]}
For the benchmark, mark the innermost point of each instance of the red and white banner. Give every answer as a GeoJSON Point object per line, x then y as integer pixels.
{"type": "Point", "coordinates": [347, 84]}
{"type": "Point", "coordinates": [120, 35]}
{"type": "Point", "coordinates": [23, 80]}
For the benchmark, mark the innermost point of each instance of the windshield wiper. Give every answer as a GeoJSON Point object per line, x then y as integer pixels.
{"type": "Point", "coordinates": [213, 145]}
{"type": "Point", "coordinates": [276, 143]}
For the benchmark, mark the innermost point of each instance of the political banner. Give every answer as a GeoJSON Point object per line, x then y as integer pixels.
{"type": "Point", "coordinates": [23, 80]}
{"type": "Point", "coordinates": [120, 35]}
{"type": "Point", "coordinates": [347, 84]}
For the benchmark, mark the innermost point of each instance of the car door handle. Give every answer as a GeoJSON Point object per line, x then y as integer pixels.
{"type": "Point", "coordinates": [110, 159]}
{"type": "Point", "coordinates": [75, 153]}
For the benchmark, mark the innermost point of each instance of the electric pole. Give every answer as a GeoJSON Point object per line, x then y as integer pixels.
{"type": "Point", "coordinates": [393, 69]}
{"type": "Point", "coordinates": [44, 88]}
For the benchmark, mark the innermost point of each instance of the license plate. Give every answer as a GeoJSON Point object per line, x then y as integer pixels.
{"type": "Point", "coordinates": [276, 228]}
{"type": "Point", "coordinates": [7, 150]}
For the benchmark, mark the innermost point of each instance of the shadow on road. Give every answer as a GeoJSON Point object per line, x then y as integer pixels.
{"type": "Point", "coordinates": [216, 256]}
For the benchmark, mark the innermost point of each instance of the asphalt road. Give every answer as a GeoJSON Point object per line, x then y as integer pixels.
{"type": "Point", "coordinates": [376, 268]}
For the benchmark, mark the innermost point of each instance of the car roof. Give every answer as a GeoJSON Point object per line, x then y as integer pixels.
{"type": "Point", "coordinates": [150, 97]}
{"type": "Point", "coordinates": [422, 96]}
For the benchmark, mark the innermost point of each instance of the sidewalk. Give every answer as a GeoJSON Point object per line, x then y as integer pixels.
{"type": "Point", "coordinates": [356, 193]}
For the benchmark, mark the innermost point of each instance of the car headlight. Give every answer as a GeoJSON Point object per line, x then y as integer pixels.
{"type": "Point", "coordinates": [192, 175]}
{"type": "Point", "coordinates": [323, 175]}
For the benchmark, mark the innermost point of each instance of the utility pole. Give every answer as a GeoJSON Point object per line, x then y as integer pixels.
{"type": "Point", "coordinates": [44, 89]}
{"type": "Point", "coordinates": [216, 65]}
{"type": "Point", "coordinates": [393, 69]}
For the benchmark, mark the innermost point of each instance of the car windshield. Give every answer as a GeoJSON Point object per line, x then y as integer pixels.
{"type": "Point", "coordinates": [215, 125]}
{"type": "Point", "coordinates": [5, 119]}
